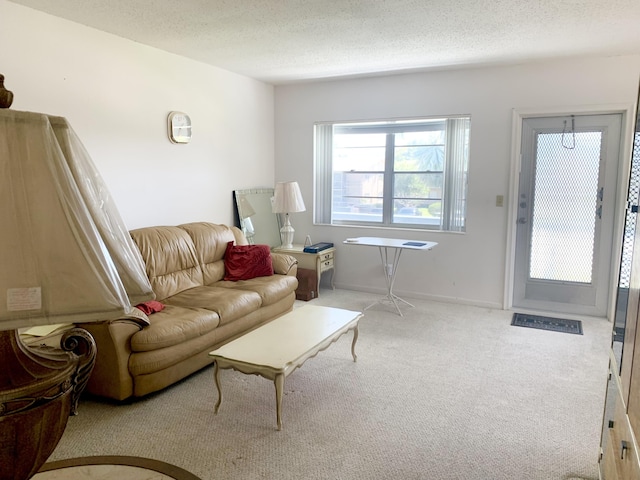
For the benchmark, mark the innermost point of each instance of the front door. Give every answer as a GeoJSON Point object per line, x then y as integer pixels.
{"type": "Point", "coordinates": [566, 202]}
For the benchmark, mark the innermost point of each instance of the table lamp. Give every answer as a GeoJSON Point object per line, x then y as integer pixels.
{"type": "Point", "coordinates": [287, 199]}
{"type": "Point", "coordinates": [58, 251]}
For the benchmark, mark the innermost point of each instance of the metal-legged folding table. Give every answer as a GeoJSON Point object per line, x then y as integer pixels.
{"type": "Point", "coordinates": [390, 251]}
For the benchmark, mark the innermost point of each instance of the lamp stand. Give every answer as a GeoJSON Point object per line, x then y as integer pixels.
{"type": "Point", "coordinates": [286, 233]}
{"type": "Point", "coordinates": [39, 389]}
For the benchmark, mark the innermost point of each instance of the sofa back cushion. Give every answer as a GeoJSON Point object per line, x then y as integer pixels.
{"type": "Point", "coordinates": [210, 241]}
{"type": "Point", "coordinates": [170, 258]}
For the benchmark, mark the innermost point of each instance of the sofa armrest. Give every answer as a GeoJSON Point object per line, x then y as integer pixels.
{"type": "Point", "coordinates": [110, 377]}
{"type": "Point", "coordinates": [284, 264]}
{"type": "Point", "coordinates": [136, 316]}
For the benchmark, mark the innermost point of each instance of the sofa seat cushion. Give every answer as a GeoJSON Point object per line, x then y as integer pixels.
{"type": "Point", "coordinates": [271, 289]}
{"type": "Point", "coordinates": [146, 363]}
{"type": "Point", "coordinates": [228, 304]}
{"type": "Point", "coordinates": [172, 326]}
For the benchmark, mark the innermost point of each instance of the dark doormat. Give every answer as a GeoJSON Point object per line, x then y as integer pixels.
{"type": "Point", "coordinates": [547, 323]}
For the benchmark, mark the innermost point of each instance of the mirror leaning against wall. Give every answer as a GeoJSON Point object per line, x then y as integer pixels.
{"type": "Point", "coordinates": [256, 218]}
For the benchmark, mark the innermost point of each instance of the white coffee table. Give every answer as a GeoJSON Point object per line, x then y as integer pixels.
{"type": "Point", "coordinates": [276, 349]}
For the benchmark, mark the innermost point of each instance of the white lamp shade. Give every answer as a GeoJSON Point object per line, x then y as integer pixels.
{"type": "Point", "coordinates": [287, 198]}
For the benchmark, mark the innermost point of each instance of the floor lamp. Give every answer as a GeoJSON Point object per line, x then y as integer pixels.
{"type": "Point", "coordinates": [56, 268]}
{"type": "Point", "coordinates": [287, 199]}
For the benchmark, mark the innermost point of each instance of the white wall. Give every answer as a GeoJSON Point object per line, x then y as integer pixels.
{"type": "Point", "coordinates": [466, 267]}
{"type": "Point", "coordinates": [117, 95]}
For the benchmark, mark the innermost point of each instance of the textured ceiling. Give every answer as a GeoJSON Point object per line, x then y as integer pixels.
{"type": "Point", "coordinates": [284, 41]}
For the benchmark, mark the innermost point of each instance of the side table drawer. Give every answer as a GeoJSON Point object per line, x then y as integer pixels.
{"type": "Point", "coordinates": [324, 257]}
{"type": "Point", "coordinates": [326, 265]}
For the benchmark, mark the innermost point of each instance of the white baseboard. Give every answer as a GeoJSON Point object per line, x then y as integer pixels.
{"type": "Point", "coordinates": [423, 296]}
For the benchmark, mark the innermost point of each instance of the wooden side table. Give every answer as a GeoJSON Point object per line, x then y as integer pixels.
{"type": "Point", "coordinates": [319, 262]}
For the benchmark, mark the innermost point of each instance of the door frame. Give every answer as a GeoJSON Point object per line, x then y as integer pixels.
{"type": "Point", "coordinates": [628, 124]}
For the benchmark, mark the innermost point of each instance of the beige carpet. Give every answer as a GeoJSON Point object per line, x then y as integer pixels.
{"type": "Point", "coordinates": [445, 392]}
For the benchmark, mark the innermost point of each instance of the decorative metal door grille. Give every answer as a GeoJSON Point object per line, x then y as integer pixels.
{"type": "Point", "coordinates": [565, 206]}
{"type": "Point", "coordinates": [630, 220]}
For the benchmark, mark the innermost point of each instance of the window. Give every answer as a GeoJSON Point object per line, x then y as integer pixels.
{"type": "Point", "coordinates": [410, 173]}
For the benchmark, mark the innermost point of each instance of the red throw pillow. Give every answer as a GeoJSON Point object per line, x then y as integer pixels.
{"type": "Point", "coordinates": [243, 262]}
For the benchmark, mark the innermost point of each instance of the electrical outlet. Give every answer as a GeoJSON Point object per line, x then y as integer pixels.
{"type": "Point", "coordinates": [499, 200]}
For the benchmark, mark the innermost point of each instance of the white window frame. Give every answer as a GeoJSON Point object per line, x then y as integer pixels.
{"type": "Point", "coordinates": [455, 172]}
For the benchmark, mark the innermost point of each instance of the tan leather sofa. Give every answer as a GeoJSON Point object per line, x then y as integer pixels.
{"type": "Point", "coordinates": [141, 354]}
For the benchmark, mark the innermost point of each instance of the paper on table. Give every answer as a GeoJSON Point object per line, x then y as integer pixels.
{"type": "Point", "coordinates": [43, 330]}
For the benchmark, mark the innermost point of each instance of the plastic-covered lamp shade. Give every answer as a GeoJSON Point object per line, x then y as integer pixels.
{"type": "Point", "coordinates": [56, 265]}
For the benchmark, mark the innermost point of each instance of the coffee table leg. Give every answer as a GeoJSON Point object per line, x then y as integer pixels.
{"type": "Point", "coordinates": [279, 383]}
{"type": "Point", "coordinates": [353, 344]}
{"type": "Point", "coordinates": [216, 371]}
